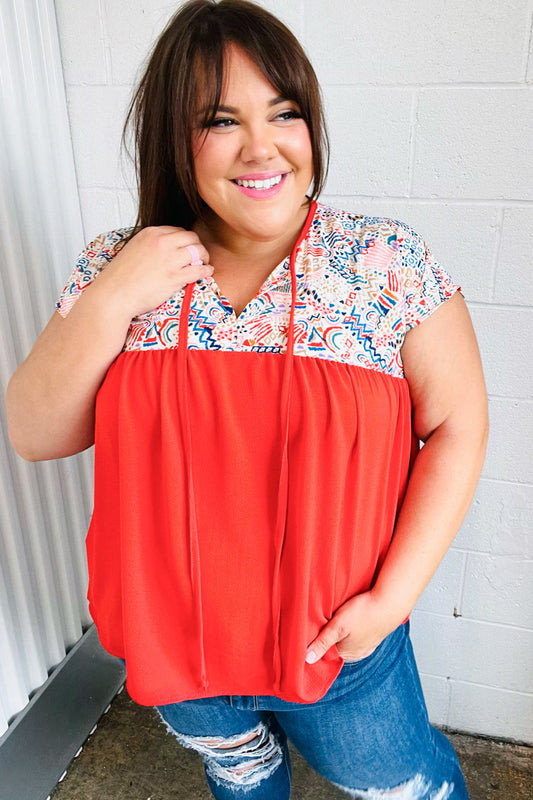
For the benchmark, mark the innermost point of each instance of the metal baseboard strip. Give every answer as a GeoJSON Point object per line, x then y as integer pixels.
{"type": "Point", "coordinates": [37, 748]}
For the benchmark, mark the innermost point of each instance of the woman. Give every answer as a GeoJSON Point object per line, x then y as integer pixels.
{"type": "Point", "coordinates": [262, 368]}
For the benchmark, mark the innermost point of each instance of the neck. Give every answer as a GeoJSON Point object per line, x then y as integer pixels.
{"type": "Point", "coordinates": [228, 247]}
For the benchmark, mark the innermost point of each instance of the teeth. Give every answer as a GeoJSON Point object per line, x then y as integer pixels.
{"type": "Point", "coordinates": [260, 184]}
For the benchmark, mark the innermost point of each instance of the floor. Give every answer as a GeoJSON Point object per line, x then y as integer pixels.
{"type": "Point", "coordinates": [130, 756]}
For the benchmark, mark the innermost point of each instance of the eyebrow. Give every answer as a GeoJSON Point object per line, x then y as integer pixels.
{"type": "Point", "coordinates": [231, 110]}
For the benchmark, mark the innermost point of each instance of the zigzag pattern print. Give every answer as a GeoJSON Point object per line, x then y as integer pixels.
{"type": "Point", "coordinates": [362, 283]}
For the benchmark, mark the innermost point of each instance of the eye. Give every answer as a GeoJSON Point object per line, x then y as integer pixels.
{"type": "Point", "coordinates": [222, 122]}
{"type": "Point", "coordinates": [289, 115]}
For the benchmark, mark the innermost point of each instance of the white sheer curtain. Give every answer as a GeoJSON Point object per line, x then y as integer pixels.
{"type": "Point", "coordinates": [44, 507]}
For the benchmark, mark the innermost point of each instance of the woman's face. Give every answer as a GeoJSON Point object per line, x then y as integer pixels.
{"type": "Point", "coordinates": [256, 136]}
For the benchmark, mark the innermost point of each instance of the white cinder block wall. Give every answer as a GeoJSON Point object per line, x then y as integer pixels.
{"type": "Point", "coordinates": [430, 110]}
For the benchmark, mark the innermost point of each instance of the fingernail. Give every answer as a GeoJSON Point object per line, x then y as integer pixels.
{"type": "Point", "coordinates": [311, 657]}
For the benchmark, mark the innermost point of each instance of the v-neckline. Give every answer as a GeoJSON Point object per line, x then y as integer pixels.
{"type": "Point", "coordinates": [211, 282]}
{"type": "Point", "coordinates": [269, 280]}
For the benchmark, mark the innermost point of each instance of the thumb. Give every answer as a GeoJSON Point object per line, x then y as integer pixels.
{"type": "Point", "coordinates": [328, 636]}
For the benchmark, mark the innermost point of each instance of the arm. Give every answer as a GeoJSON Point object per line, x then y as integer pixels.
{"type": "Point", "coordinates": [51, 397]}
{"type": "Point", "coordinates": [443, 367]}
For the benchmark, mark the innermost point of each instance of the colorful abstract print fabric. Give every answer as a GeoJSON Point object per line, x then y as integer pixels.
{"type": "Point", "coordinates": [362, 283]}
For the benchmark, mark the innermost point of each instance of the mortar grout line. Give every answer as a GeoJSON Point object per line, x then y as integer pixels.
{"type": "Point", "coordinates": [413, 134]}
{"type": "Point", "coordinates": [517, 85]}
{"type": "Point", "coordinates": [528, 43]}
{"type": "Point", "coordinates": [462, 582]}
{"type": "Point", "coordinates": [477, 621]}
{"type": "Point", "coordinates": [105, 38]}
{"type": "Point", "coordinates": [436, 201]}
{"type": "Point", "coordinates": [475, 683]}
{"type": "Point", "coordinates": [497, 250]}
{"type": "Point", "coordinates": [526, 484]}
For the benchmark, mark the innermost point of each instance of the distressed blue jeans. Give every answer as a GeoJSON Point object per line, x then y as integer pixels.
{"type": "Point", "coordinates": [369, 735]}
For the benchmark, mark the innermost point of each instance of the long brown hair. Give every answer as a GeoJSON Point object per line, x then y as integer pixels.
{"type": "Point", "coordinates": [186, 67]}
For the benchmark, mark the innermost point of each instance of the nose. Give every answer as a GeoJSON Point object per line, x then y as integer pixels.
{"type": "Point", "coordinates": [258, 143]}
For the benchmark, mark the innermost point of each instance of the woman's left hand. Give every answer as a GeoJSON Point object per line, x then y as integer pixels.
{"type": "Point", "coordinates": [357, 628]}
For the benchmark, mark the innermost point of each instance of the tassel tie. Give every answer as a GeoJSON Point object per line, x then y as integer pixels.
{"type": "Point", "coordinates": [185, 418]}
{"type": "Point", "coordinates": [283, 483]}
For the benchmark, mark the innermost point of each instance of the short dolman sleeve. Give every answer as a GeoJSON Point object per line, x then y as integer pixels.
{"type": "Point", "coordinates": [90, 262]}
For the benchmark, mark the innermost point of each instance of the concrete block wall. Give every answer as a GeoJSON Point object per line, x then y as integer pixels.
{"type": "Point", "coordinates": [430, 112]}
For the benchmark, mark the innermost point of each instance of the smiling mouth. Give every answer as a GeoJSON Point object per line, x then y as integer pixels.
{"type": "Point", "coordinates": [261, 189]}
{"type": "Point", "coordinates": [260, 185]}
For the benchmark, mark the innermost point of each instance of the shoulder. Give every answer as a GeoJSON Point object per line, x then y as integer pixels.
{"type": "Point", "coordinates": [386, 268]}
{"type": "Point", "coordinates": [362, 231]}
{"type": "Point", "coordinates": [90, 262]}
{"type": "Point", "coordinates": [378, 245]}
{"type": "Point", "coordinates": [352, 221]}
{"type": "Point", "coordinates": [102, 249]}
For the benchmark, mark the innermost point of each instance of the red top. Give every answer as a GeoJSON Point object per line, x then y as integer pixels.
{"type": "Point", "coordinates": [241, 497]}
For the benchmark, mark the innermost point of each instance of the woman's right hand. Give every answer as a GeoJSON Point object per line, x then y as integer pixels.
{"type": "Point", "coordinates": [51, 396]}
{"type": "Point", "coordinates": [153, 266]}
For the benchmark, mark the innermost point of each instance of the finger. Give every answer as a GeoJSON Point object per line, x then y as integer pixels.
{"type": "Point", "coordinates": [196, 258]}
{"type": "Point", "coordinates": [178, 237]}
{"type": "Point", "coordinates": [194, 272]}
{"type": "Point", "coordinates": [328, 636]}
{"type": "Point", "coordinates": [181, 237]}
{"type": "Point", "coordinates": [193, 254]}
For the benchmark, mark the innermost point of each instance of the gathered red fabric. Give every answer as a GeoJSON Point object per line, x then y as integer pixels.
{"type": "Point", "coordinates": [188, 582]}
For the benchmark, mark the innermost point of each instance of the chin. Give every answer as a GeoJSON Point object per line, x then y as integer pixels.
{"type": "Point", "coordinates": [265, 235]}
{"type": "Point", "coordinates": [269, 226]}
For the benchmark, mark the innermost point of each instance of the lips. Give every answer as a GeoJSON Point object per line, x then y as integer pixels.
{"type": "Point", "coordinates": [259, 176]}
{"type": "Point", "coordinates": [262, 194]}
